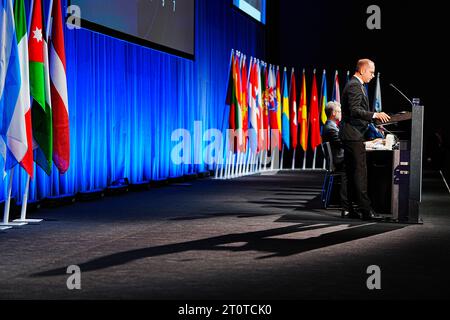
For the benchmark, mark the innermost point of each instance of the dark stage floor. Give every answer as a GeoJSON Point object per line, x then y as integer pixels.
{"type": "Point", "coordinates": [261, 237]}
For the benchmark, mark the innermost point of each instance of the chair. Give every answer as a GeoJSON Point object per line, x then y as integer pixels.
{"type": "Point", "coordinates": [330, 174]}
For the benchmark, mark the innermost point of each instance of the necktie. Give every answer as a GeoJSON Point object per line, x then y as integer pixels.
{"type": "Point", "coordinates": [364, 89]}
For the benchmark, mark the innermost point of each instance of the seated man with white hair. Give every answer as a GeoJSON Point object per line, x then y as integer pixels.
{"type": "Point", "coordinates": [331, 134]}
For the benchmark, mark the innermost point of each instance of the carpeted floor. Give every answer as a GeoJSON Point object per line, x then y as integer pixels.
{"type": "Point", "coordinates": [260, 237]}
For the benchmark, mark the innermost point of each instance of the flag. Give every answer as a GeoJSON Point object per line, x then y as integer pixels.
{"type": "Point", "coordinates": [58, 85]}
{"type": "Point", "coordinates": [244, 103]}
{"type": "Point", "coordinates": [260, 102]}
{"type": "Point", "coordinates": [14, 98]}
{"type": "Point", "coordinates": [377, 106]}
{"type": "Point", "coordinates": [239, 120]}
{"type": "Point", "coordinates": [235, 117]}
{"type": "Point", "coordinates": [230, 80]}
{"type": "Point", "coordinates": [303, 116]}
{"type": "Point", "coordinates": [265, 81]}
{"type": "Point", "coordinates": [279, 105]}
{"type": "Point", "coordinates": [41, 112]}
{"type": "Point", "coordinates": [273, 107]}
{"type": "Point", "coordinates": [253, 107]}
{"type": "Point", "coordinates": [22, 43]}
{"type": "Point", "coordinates": [323, 97]}
{"type": "Point", "coordinates": [285, 114]}
{"type": "Point", "coordinates": [336, 96]}
{"type": "Point", "coordinates": [293, 115]}
{"type": "Point", "coordinates": [314, 116]}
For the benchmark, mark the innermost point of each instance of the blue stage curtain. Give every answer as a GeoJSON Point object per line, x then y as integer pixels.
{"type": "Point", "coordinates": [125, 101]}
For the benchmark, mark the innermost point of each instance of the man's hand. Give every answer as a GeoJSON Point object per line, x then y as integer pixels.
{"type": "Point", "coordinates": [383, 117]}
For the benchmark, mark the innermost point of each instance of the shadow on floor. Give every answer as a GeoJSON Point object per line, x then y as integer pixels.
{"type": "Point", "coordinates": [269, 241]}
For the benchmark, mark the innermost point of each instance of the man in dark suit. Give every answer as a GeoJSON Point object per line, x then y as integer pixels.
{"type": "Point", "coordinates": [355, 120]}
{"type": "Point", "coordinates": [330, 134]}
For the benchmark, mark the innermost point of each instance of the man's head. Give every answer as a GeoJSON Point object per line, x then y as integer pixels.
{"type": "Point", "coordinates": [365, 69]}
{"type": "Point", "coordinates": [333, 111]}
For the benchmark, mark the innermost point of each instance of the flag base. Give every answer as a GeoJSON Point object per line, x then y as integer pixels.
{"type": "Point", "coordinates": [28, 221]}
{"type": "Point", "coordinates": [13, 224]}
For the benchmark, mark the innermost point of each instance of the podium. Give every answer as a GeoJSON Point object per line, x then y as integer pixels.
{"type": "Point", "coordinates": [395, 177]}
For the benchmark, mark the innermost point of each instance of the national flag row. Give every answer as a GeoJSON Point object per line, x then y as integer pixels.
{"type": "Point", "coordinates": [34, 117]}
{"type": "Point", "coordinates": [267, 111]}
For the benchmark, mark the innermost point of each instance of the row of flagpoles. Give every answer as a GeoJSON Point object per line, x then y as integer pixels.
{"type": "Point", "coordinates": [33, 95]}
{"type": "Point", "coordinates": [265, 116]}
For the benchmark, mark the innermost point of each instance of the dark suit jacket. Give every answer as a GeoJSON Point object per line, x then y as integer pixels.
{"type": "Point", "coordinates": [330, 134]}
{"type": "Point", "coordinates": [355, 111]}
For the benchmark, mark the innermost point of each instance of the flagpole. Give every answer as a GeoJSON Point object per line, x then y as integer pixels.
{"type": "Point", "coordinates": [255, 163]}
{"type": "Point", "coordinates": [23, 213]}
{"type": "Point", "coordinates": [223, 164]}
{"type": "Point", "coordinates": [265, 161]}
{"type": "Point", "coordinates": [6, 222]}
{"type": "Point", "coordinates": [261, 160]}
{"type": "Point", "coordinates": [230, 166]}
{"type": "Point", "coordinates": [247, 163]}
{"type": "Point", "coordinates": [258, 167]}
{"type": "Point", "coordinates": [236, 165]}
{"type": "Point", "coordinates": [8, 198]}
{"type": "Point", "coordinates": [241, 158]}
{"type": "Point", "coordinates": [234, 157]}
{"type": "Point", "coordinates": [304, 159]}
{"type": "Point", "coordinates": [239, 163]}
{"type": "Point", "coordinates": [314, 159]}
{"type": "Point", "coordinates": [224, 158]}
{"type": "Point", "coordinates": [225, 176]}
{"type": "Point", "coordinates": [293, 160]}
{"type": "Point", "coordinates": [282, 156]}
{"type": "Point", "coordinates": [244, 162]}
{"type": "Point", "coordinates": [49, 20]}
{"type": "Point", "coordinates": [217, 170]}
{"type": "Point", "coordinates": [30, 16]}
{"type": "Point", "coordinates": [272, 155]}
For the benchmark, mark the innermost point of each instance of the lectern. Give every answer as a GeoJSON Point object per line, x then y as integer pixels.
{"type": "Point", "coordinates": [400, 171]}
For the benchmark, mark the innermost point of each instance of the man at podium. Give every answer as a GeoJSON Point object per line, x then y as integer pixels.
{"type": "Point", "coordinates": [355, 121]}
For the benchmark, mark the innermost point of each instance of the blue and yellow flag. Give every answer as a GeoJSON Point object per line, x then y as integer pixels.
{"type": "Point", "coordinates": [324, 97]}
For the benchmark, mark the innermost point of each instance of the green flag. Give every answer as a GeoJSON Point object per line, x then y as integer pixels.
{"type": "Point", "coordinates": [40, 90]}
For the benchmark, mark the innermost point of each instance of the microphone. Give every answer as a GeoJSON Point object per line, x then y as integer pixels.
{"type": "Point", "coordinates": [390, 132]}
{"type": "Point", "coordinates": [398, 90]}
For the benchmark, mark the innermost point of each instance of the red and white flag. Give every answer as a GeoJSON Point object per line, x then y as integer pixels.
{"type": "Point", "coordinates": [60, 106]}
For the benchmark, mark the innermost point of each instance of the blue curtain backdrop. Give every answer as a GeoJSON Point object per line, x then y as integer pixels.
{"type": "Point", "coordinates": [125, 101]}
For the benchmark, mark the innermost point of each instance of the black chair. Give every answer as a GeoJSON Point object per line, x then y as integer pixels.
{"type": "Point", "coordinates": [330, 174]}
